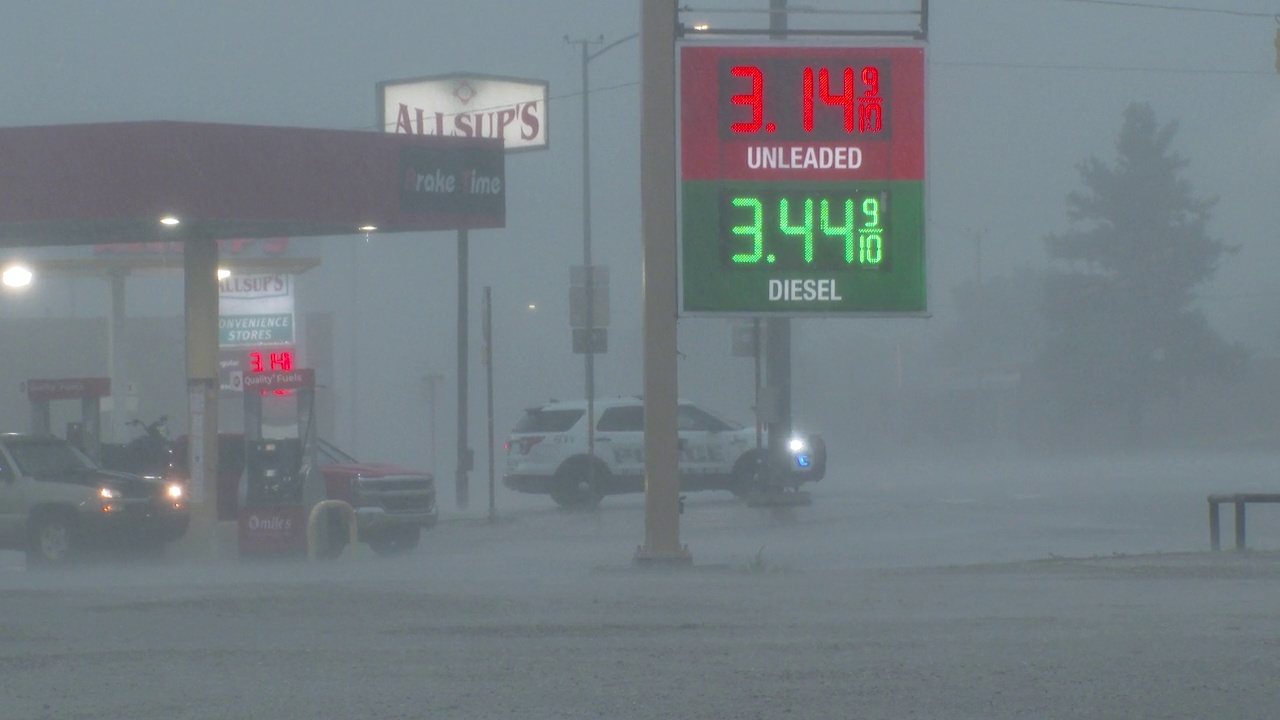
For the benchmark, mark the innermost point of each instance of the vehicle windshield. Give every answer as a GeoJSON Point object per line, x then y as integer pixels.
{"type": "Point", "coordinates": [329, 454]}
{"type": "Point", "coordinates": [48, 456]}
{"type": "Point", "coordinates": [537, 420]}
{"type": "Point", "coordinates": [711, 419]}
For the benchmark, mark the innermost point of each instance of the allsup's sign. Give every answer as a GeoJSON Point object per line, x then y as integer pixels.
{"type": "Point", "coordinates": [467, 105]}
{"type": "Point", "coordinates": [255, 309]}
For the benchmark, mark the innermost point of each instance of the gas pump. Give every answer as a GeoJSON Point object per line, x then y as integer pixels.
{"type": "Point", "coordinates": [280, 483]}
{"type": "Point", "coordinates": [84, 433]}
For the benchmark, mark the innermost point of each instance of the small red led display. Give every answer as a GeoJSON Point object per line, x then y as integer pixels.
{"type": "Point", "coordinates": [260, 362]}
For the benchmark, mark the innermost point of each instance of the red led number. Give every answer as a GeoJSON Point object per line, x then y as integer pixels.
{"type": "Point", "coordinates": [755, 98]}
{"type": "Point", "coordinates": [807, 102]}
{"type": "Point", "coordinates": [845, 98]}
{"type": "Point", "coordinates": [869, 109]}
{"type": "Point", "coordinates": [282, 361]}
{"type": "Point", "coordinates": [866, 109]}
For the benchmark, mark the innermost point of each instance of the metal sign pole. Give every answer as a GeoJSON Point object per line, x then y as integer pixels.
{"type": "Point", "coordinates": [488, 381]}
{"type": "Point", "coordinates": [778, 329]}
{"type": "Point", "coordinates": [462, 495]}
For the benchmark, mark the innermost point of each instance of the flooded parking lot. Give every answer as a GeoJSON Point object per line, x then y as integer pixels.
{"type": "Point", "coordinates": [964, 589]}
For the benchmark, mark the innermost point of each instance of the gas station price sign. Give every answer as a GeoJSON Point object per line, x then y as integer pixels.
{"type": "Point", "coordinates": [801, 182]}
{"type": "Point", "coordinates": [279, 359]}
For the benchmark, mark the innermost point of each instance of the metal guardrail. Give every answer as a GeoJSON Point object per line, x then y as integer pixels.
{"type": "Point", "coordinates": [1239, 500]}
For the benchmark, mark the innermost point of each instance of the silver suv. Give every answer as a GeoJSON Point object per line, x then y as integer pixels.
{"type": "Point", "coordinates": [547, 453]}
{"type": "Point", "coordinates": [56, 504]}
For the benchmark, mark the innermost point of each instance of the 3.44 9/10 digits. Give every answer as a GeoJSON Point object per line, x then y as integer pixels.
{"type": "Point", "coordinates": [789, 231]}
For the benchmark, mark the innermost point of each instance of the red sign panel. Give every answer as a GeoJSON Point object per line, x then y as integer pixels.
{"type": "Point", "coordinates": [279, 380]}
{"type": "Point", "coordinates": [66, 388]}
{"type": "Point", "coordinates": [799, 113]}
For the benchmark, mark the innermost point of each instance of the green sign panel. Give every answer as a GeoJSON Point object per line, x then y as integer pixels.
{"type": "Point", "coordinates": [802, 180]}
{"type": "Point", "coordinates": [272, 329]}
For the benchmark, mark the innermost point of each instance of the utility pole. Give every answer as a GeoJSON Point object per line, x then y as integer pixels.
{"type": "Point", "coordinates": [589, 357]}
{"type": "Point", "coordinates": [590, 279]}
{"type": "Point", "coordinates": [658, 20]}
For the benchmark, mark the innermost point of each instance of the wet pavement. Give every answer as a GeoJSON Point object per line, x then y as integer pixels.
{"type": "Point", "coordinates": [958, 588]}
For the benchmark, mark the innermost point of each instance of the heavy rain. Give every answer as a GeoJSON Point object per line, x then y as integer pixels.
{"type": "Point", "coordinates": [996, 436]}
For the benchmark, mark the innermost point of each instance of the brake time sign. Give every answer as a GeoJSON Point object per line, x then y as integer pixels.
{"type": "Point", "coordinates": [801, 181]}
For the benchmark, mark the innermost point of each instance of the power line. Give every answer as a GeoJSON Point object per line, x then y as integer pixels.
{"type": "Point", "coordinates": [1179, 8]}
{"type": "Point", "coordinates": [958, 64]}
{"type": "Point", "coordinates": [1117, 68]}
{"type": "Point", "coordinates": [1099, 68]}
{"type": "Point", "coordinates": [791, 10]}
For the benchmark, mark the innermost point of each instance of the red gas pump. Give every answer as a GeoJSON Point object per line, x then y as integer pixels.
{"type": "Point", "coordinates": [85, 433]}
{"type": "Point", "coordinates": [280, 483]}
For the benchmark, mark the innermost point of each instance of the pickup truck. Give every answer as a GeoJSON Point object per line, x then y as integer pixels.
{"type": "Point", "coordinates": [393, 504]}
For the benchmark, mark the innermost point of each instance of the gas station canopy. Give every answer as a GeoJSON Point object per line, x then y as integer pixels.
{"type": "Point", "coordinates": [114, 182]}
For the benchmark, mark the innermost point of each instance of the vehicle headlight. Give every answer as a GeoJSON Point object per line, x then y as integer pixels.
{"type": "Point", "coordinates": [173, 491]}
{"type": "Point", "coordinates": [797, 445]}
{"type": "Point", "coordinates": [109, 493]}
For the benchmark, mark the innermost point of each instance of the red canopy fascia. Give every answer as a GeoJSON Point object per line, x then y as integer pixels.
{"type": "Point", "coordinates": [112, 182]}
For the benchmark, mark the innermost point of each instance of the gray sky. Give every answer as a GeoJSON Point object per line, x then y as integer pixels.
{"type": "Point", "coordinates": [1020, 91]}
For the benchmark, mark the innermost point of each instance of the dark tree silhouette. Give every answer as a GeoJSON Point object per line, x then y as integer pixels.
{"type": "Point", "coordinates": [1119, 308]}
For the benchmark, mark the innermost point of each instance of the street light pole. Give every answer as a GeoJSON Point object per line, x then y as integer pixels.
{"type": "Point", "coordinates": [354, 313]}
{"type": "Point", "coordinates": [589, 280]}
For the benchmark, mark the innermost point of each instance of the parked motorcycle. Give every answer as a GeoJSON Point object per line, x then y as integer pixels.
{"type": "Point", "coordinates": [147, 454]}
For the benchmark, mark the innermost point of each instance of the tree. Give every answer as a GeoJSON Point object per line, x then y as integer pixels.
{"type": "Point", "coordinates": [1119, 309]}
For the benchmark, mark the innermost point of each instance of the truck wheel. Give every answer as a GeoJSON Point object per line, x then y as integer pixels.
{"type": "Point", "coordinates": [400, 541]}
{"type": "Point", "coordinates": [574, 489]}
{"type": "Point", "coordinates": [52, 539]}
{"type": "Point", "coordinates": [749, 473]}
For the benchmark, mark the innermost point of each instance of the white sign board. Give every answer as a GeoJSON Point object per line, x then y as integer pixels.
{"type": "Point", "coordinates": [467, 105]}
{"type": "Point", "coordinates": [255, 309]}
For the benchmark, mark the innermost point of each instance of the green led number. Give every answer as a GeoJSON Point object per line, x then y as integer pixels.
{"type": "Point", "coordinates": [755, 230]}
{"type": "Point", "coordinates": [845, 231]}
{"type": "Point", "coordinates": [871, 208]}
{"type": "Point", "coordinates": [863, 241]}
{"type": "Point", "coordinates": [870, 244]}
{"type": "Point", "coordinates": [784, 224]}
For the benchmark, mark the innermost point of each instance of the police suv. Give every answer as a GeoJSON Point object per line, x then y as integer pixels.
{"type": "Point", "coordinates": [548, 454]}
